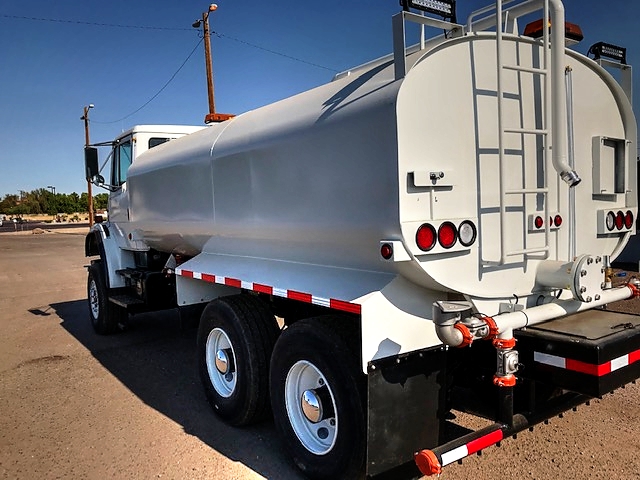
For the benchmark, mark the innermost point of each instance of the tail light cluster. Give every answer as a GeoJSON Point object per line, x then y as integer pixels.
{"type": "Point", "coordinates": [447, 235]}
{"type": "Point", "coordinates": [619, 220]}
{"type": "Point", "coordinates": [536, 222]}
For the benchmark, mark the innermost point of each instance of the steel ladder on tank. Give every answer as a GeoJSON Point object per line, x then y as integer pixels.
{"type": "Point", "coordinates": [544, 132]}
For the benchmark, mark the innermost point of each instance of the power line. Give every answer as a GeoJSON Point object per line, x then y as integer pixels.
{"type": "Point", "coordinates": [221, 35]}
{"type": "Point", "coordinates": [149, 27]}
{"type": "Point", "coordinates": [97, 24]}
{"type": "Point", "coordinates": [159, 91]}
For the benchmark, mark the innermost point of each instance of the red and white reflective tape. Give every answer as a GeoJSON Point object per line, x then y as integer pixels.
{"type": "Point", "coordinates": [472, 447]}
{"type": "Point", "coordinates": [269, 290]}
{"type": "Point", "coordinates": [431, 464]}
{"type": "Point", "coordinates": [588, 368]}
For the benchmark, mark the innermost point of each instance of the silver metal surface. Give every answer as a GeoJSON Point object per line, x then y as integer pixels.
{"type": "Point", "coordinates": [224, 382]}
{"type": "Point", "coordinates": [224, 360]}
{"type": "Point", "coordinates": [318, 437]}
{"type": "Point", "coordinates": [94, 301]}
{"type": "Point", "coordinates": [311, 405]}
{"type": "Point", "coordinates": [507, 362]}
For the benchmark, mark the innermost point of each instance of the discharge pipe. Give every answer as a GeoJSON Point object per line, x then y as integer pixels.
{"type": "Point", "coordinates": [559, 96]}
{"type": "Point", "coordinates": [456, 330]}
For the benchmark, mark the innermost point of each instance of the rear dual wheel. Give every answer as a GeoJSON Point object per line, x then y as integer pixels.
{"type": "Point", "coordinates": [317, 397]}
{"type": "Point", "coordinates": [235, 340]}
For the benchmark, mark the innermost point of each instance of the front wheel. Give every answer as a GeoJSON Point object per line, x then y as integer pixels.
{"type": "Point", "coordinates": [106, 317]}
{"type": "Point", "coordinates": [317, 397]}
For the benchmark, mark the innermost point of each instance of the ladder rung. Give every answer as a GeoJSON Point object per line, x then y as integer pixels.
{"type": "Point", "coordinates": [517, 68]}
{"type": "Point", "coordinates": [528, 251]}
{"type": "Point", "coordinates": [526, 190]}
{"type": "Point", "coordinates": [532, 131]}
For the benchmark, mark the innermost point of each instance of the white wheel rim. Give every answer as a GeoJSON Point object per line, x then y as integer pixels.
{"type": "Point", "coordinates": [223, 383]}
{"type": "Point", "coordinates": [319, 438]}
{"type": "Point", "coordinates": [94, 302]}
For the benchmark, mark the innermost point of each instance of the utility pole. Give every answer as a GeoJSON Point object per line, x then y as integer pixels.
{"type": "Point", "coordinates": [207, 58]}
{"type": "Point", "coordinates": [85, 117]}
{"type": "Point", "coordinates": [212, 116]}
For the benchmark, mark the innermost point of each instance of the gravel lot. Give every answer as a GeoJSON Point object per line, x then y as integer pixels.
{"type": "Point", "coordinates": [76, 405]}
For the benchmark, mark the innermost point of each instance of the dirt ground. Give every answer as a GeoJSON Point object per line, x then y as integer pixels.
{"type": "Point", "coordinates": [76, 405]}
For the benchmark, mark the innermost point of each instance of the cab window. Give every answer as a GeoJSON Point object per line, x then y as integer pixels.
{"type": "Point", "coordinates": [121, 162]}
{"type": "Point", "coordinates": [155, 141]}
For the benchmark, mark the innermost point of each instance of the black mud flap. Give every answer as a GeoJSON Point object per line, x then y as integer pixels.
{"type": "Point", "coordinates": [591, 352]}
{"type": "Point", "coordinates": [405, 411]}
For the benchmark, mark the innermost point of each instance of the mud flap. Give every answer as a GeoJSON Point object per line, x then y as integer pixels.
{"type": "Point", "coordinates": [406, 396]}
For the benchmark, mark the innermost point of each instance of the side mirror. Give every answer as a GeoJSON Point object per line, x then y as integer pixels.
{"type": "Point", "coordinates": [91, 162]}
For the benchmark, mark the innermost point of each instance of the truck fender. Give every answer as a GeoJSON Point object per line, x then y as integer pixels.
{"type": "Point", "coordinates": [376, 297]}
{"type": "Point", "coordinates": [101, 242]}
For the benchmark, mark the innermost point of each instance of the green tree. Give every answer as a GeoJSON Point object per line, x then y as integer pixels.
{"type": "Point", "coordinates": [74, 202]}
{"type": "Point", "coordinates": [9, 202]}
{"type": "Point", "coordinates": [100, 201]}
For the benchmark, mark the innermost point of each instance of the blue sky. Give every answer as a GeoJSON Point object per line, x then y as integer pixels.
{"type": "Point", "coordinates": [50, 69]}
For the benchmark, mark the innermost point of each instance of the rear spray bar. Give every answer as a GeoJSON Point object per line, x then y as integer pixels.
{"type": "Point", "coordinates": [431, 462]}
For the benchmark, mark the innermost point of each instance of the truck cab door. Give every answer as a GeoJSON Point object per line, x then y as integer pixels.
{"type": "Point", "coordinates": [119, 198]}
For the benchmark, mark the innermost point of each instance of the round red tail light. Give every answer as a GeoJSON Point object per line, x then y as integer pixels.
{"type": "Point", "coordinates": [628, 219]}
{"type": "Point", "coordinates": [426, 237]}
{"type": "Point", "coordinates": [467, 233]}
{"type": "Point", "coordinates": [386, 250]}
{"type": "Point", "coordinates": [447, 235]}
{"type": "Point", "coordinates": [557, 220]}
{"type": "Point", "coordinates": [619, 220]}
{"type": "Point", "coordinates": [538, 222]}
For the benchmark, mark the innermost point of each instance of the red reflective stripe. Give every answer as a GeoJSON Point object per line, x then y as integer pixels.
{"type": "Point", "coordinates": [258, 287]}
{"type": "Point", "coordinates": [588, 368]}
{"type": "Point", "coordinates": [634, 357]}
{"type": "Point", "coordinates": [345, 306]}
{"type": "Point", "coordinates": [292, 294]}
{"type": "Point", "coordinates": [484, 442]}
{"type": "Point", "coordinates": [302, 297]}
{"type": "Point", "coordinates": [232, 282]}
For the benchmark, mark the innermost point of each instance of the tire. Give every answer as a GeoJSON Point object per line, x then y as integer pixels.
{"type": "Point", "coordinates": [106, 317]}
{"type": "Point", "coordinates": [237, 333]}
{"type": "Point", "coordinates": [320, 356]}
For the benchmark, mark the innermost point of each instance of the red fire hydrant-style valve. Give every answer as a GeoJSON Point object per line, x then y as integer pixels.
{"type": "Point", "coordinates": [507, 362]}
